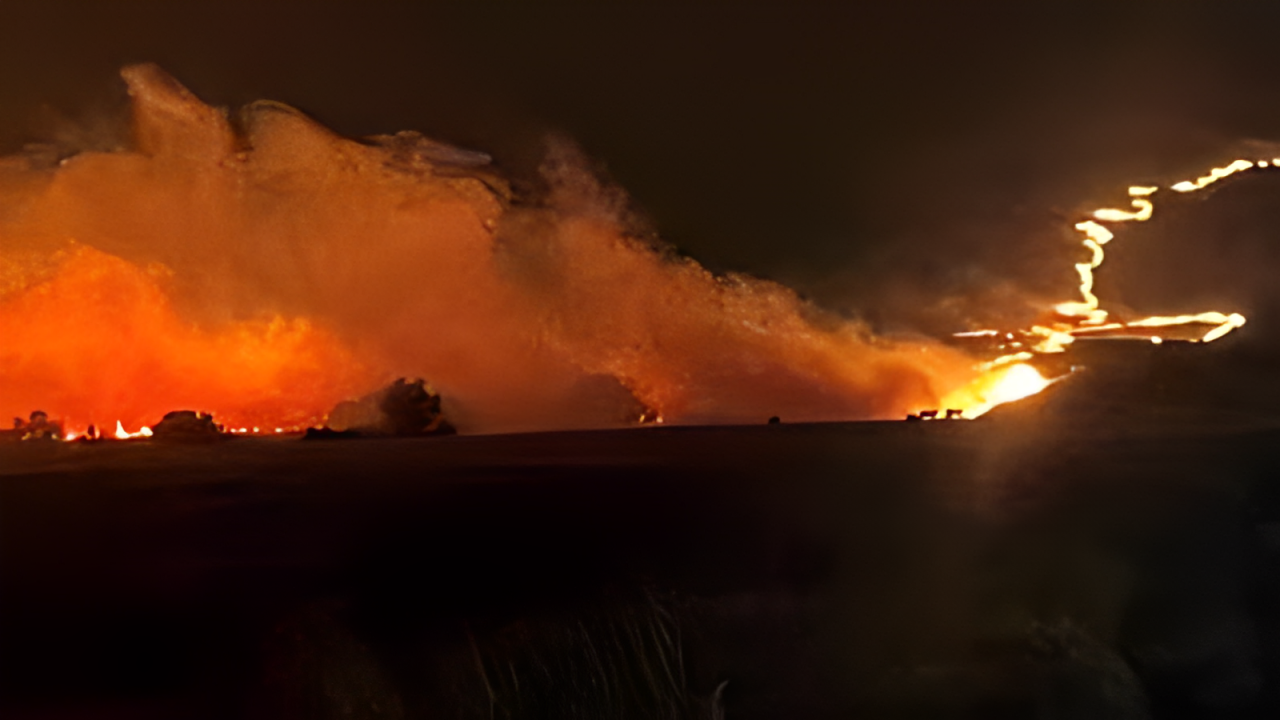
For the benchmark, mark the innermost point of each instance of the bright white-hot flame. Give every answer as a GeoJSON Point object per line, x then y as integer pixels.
{"type": "Point", "coordinates": [1055, 340]}
{"type": "Point", "coordinates": [1236, 321]}
{"type": "Point", "coordinates": [1143, 209]}
{"type": "Point", "coordinates": [997, 387]}
{"type": "Point", "coordinates": [122, 434]}
{"type": "Point", "coordinates": [1018, 382]}
{"type": "Point", "coordinates": [1095, 232]}
{"type": "Point", "coordinates": [1214, 176]}
{"type": "Point", "coordinates": [1223, 323]}
{"type": "Point", "coordinates": [1006, 360]}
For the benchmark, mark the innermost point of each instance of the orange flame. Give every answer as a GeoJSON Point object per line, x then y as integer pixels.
{"type": "Point", "coordinates": [98, 342]}
{"type": "Point", "coordinates": [998, 386]}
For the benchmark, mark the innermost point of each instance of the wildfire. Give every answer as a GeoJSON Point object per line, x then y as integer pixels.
{"type": "Point", "coordinates": [122, 434]}
{"type": "Point", "coordinates": [996, 387]}
{"type": "Point", "coordinates": [295, 260]}
{"type": "Point", "coordinates": [236, 269]}
{"type": "Point", "coordinates": [1075, 318]}
{"type": "Point", "coordinates": [97, 341]}
{"type": "Point", "coordinates": [1086, 316]}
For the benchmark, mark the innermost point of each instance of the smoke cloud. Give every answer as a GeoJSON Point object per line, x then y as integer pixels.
{"type": "Point", "coordinates": [261, 267]}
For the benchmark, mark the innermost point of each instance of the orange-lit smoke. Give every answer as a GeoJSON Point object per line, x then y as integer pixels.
{"type": "Point", "coordinates": [300, 267]}
{"type": "Point", "coordinates": [99, 341]}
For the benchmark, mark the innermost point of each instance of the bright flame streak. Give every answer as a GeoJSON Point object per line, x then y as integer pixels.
{"type": "Point", "coordinates": [1235, 320]}
{"type": "Point", "coordinates": [1055, 340]}
{"type": "Point", "coordinates": [1222, 329]}
{"type": "Point", "coordinates": [1095, 232]}
{"type": "Point", "coordinates": [1142, 213]}
{"type": "Point", "coordinates": [998, 387]}
{"type": "Point", "coordinates": [1095, 237]}
{"type": "Point", "coordinates": [1214, 176]}
{"type": "Point", "coordinates": [1223, 323]}
{"type": "Point", "coordinates": [1085, 271]}
{"type": "Point", "coordinates": [1098, 255]}
{"type": "Point", "coordinates": [1079, 309]}
{"type": "Point", "coordinates": [1098, 328]}
{"type": "Point", "coordinates": [1005, 360]}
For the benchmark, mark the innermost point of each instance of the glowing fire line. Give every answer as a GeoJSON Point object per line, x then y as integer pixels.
{"type": "Point", "coordinates": [1009, 377]}
{"type": "Point", "coordinates": [1088, 313]}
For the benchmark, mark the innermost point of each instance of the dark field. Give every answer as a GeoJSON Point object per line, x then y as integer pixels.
{"type": "Point", "coordinates": [1007, 567]}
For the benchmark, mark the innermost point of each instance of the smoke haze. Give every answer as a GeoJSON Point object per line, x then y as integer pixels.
{"type": "Point", "coordinates": [536, 309]}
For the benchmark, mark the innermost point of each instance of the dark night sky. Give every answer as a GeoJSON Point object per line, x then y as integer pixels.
{"type": "Point", "coordinates": [874, 159]}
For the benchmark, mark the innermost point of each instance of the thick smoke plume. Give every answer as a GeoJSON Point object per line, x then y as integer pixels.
{"type": "Point", "coordinates": [263, 268]}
